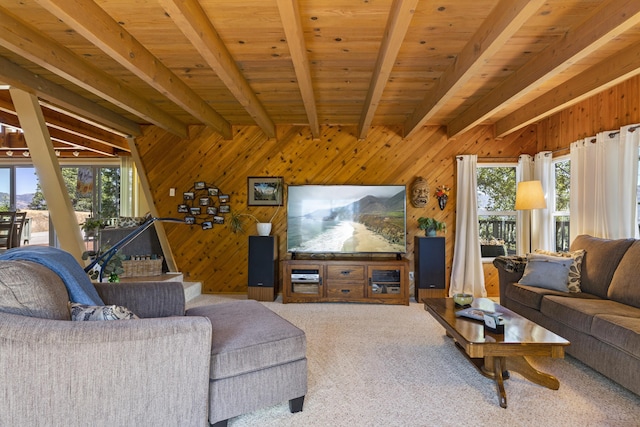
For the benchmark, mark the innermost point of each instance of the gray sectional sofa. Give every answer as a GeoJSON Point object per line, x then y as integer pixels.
{"type": "Point", "coordinates": [602, 322]}
{"type": "Point", "coordinates": [166, 367]}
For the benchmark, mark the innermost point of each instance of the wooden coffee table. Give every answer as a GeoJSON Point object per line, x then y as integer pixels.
{"type": "Point", "coordinates": [494, 355]}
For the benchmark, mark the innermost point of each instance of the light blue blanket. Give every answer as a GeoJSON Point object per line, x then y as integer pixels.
{"type": "Point", "coordinates": [78, 284]}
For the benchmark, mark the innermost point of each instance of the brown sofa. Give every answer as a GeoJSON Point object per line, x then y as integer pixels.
{"type": "Point", "coordinates": [602, 322]}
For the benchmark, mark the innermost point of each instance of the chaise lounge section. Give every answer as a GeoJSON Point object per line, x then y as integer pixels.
{"type": "Point", "coordinates": [258, 359]}
{"type": "Point", "coordinates": [602, 322]}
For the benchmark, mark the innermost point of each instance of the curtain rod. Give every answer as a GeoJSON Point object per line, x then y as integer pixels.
{"type": "Point", "coordinates": [611, 135]}
{"type": "Point", "coordinates": [614, 133]}
{"type": "Point", "coordinates": [547, 152]}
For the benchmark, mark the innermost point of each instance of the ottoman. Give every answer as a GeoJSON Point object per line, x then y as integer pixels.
{"type": "Point", "coordinates": [258, 359]}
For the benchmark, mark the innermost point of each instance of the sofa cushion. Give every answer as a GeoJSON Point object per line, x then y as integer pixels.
{"type": "Point", "coordinates": [30, 289]}
{"type": "Point", "coordinates": [625, 285]}
{"type": "Point", "coordinates": [575, 271]}
{"type": "Point", "coordinates": [622, 332]}
{"type": "Point", "coordinates": [578, 313]}
{"type": "Point", "coordinates": [247, 336]}
{"type": "Point", "coordinates": [600, 262]}
{"type": "Point", "coordinates": [82, 312]}
{"type": "Point", "coordinates": [545, 271]}
{"type": "Point", "coordinates": [531, 296]}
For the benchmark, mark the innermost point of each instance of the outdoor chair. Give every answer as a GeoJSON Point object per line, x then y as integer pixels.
{"type": "Point", "coordinates": [7, 226]}
{"type": "Point", "coordinates": [20, 218]}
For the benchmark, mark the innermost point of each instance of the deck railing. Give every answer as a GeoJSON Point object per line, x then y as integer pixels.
{"type": "Point", "coordinates": [504, 229]}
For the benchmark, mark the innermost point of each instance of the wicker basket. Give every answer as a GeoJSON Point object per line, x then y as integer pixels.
{"type": "Point", "coordinates": [142, 267]}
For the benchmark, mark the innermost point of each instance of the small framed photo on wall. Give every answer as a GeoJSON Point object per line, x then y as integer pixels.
{"type": "Point", "coordinates": [264, 191]}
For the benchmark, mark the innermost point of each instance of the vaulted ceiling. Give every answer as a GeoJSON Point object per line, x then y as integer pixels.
{"type": "Point", "coordinates": [223, 63]}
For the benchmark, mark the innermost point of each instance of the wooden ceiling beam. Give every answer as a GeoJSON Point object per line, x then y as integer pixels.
{"type": "Point", "coordinates": [109, 36]}
{"type": "Point", "coordinates": [17, 76]}
{"type": "Point", "coordinates": [71, 141]}
{"type": "Point", "coordinates": [192, 20]}
{"type": "Point", "coordinates": [397, 26]}
{"type": "Point", "coordinates": [290, 17]}
{"type": "Point", "coordinates": [614, 70]}
{"type": "Point", "coordinates": [71, 125]}
{"type": "Point", "coordinates": [39, 49]}
{"type": "Point", "coordinates": [502, 23]}
{"type": "Point", "coordinates": [609, 21]}
{"type": "Point", "coordinates": [61, 136]}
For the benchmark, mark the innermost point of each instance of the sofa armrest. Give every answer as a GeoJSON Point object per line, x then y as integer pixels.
{"type": "Point", "coordinates": [510, 270]}
{"type": "Point", "coordinates": [145, 299]}
{"type": "Point", "coordinates": [125, 372]}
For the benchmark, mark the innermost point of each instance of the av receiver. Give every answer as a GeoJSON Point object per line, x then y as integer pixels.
{"type": "Point", "coordinates": [305, 276]}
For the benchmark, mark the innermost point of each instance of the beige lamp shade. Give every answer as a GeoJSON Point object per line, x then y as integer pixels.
{"type": "Point", "coordinates": [529, 195]}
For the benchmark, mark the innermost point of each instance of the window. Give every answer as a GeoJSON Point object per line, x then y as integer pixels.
{"type": "Point", "coordinates": [560, 207]}
{"type": "Point", "coordinates": [496, 209]}
{"type": "Point", "coordinates": [5, 189]}
{"type": "Point", "coordinates": [91, 189]}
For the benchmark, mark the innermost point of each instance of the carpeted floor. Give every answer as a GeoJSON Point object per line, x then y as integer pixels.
{"type": "Point", "coordinates": [374, 365]}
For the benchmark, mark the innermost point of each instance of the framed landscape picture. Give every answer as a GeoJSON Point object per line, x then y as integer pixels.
{"type": "Point", "coordinates": [264, 191]}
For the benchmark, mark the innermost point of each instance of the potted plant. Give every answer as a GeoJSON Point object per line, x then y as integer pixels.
{"type": "Point", "coordinates": [237, 226]}
{"type": "Point", "coordinates": [431, 226]}
{"type": "Point", "coordinates": [113, 268]}
{"type": "Point", "coordinates": [91, 225]}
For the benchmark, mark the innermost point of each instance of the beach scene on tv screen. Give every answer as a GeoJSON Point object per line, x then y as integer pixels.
{"type": "Point", "coordinates": [346, 219]}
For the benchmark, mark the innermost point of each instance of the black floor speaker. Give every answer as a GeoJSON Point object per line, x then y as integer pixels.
{"type": "Point", "coordinates": [263, 266]}
{"type": "Point", "coordinates": [429, 260]}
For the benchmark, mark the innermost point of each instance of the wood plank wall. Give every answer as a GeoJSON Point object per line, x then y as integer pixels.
{"type": "Point", "coordinates": [218, 258]}
{"type": "Point", "coordinates": [609, 110]}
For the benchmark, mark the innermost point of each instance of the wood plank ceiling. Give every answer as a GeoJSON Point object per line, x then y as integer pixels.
{"type": "Point", "coordinates": [119, 64]}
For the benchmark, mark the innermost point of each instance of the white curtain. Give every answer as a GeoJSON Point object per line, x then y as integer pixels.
{"type": "Point", "coordinates": [523, 218]}
{"type": "Point", "coordinates": [604, 178]}
{"type": "Point", "coordinates": [542, 222]}
{"type": "Point", "coordinates": [128, 187]}
{"type": "Point", "coordinates": [630, 140]}
{"type": "Point", "coordinates": [466, 273]}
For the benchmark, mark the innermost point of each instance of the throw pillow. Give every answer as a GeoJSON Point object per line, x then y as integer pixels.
{"type": "Point", "coordinates": [576, 267]}
{"type": "Point", "coordinates": [545, 271]}
{"type": "Point", "coordinates": [98, 312]}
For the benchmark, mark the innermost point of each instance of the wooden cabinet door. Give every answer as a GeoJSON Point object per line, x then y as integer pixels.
{"type": "Point", "coordinates": [302, 290]}
{"type": "Point", "coordinates": [386, 282]}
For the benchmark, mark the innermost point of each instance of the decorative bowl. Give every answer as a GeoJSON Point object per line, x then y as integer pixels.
{"type": "Point", "coordinates": [462, 299]}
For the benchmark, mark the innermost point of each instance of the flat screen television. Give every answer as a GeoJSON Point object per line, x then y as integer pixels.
{"type": "Point", "coordinates": [346, 219]}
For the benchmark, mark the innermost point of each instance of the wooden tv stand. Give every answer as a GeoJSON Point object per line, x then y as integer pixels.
{"type": "Point", "coordinates": [382, 281]}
